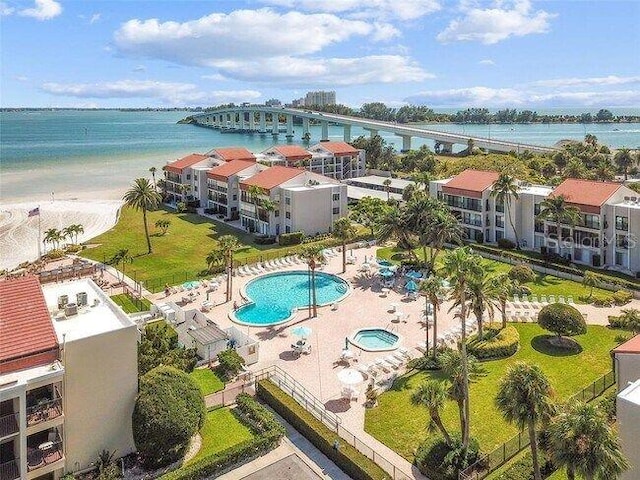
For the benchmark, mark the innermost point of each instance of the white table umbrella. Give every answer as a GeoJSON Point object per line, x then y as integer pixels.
{"type": "Point", "coordinates": [349, 376]}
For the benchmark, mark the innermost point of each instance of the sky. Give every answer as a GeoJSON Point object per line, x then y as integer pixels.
{"type": "Point", "coordinates": [439, 53]}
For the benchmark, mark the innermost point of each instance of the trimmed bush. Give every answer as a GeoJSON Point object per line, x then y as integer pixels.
{"type": "Point", "coordinates": [169, 410]}
{"type": "Point", "coordinates": [622, 297]}
{"type": "Point", "coordinates": [628, 320]}
{"type": "Point", "coordinates": [522, 273]}
{"type": "Point", "coordinates": [506, 244]}
{"type": "Point", "coordinates": [497, 343]}
{"type": "Point", "coordinates": [435, 459]}
{"type": "Point", "coordinates": [257, 417]}
{"type": "Point", "coordinates": [562, 319]}
{"type": "Point", "coordinates": [350, 460]}
{"type": "Point", "coordinates": [294, 238]}
{"type": "Point", "coordinates": [601, 300]}
{"type": "Point", "coordinates": [264, 240]}
{"type": "Point", "coordinates": [230, 363]}
{"type": "Point", "coordinates": [522, 469]}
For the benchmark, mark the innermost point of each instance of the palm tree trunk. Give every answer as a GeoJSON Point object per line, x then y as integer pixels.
{"type": "Point", "coordinates": [230, 278]}
{"type": "Point", "coordinates": [465, 373]}
{"type": "Point", "coordinates": [508, 205]}
{"type": "Point", "coordinates": [534, 451]}
{"type": "Point", "coordinates": [435, 330]}
{"type": "Point", "coordinates": [146, 229]}
{"type": "Point", "coordinates": [559, 237]}
{"type": "Point", "coordinates": [438, 421]}
{"type": "Point", "coordinates": [503, 309]}
{"type": "Point", "coordinates": [479, 316]}
{"type": "Point", "coordinates": [571, 474]}
{"type": "Point", "coordinates": [344, 257]}
{"type": "Point", "coordinates": [424, 254]}
{"type": "Point", "coordinates": [426, 324]}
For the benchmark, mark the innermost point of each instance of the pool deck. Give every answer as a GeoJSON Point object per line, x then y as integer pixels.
{"type": "Point", "coordinates": [365, 307]}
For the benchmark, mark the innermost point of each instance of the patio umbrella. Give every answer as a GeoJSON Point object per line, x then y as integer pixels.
{"type": "Point", "coordinates": [190, 285]}
{"type": "Point", "coordinates": [411, 286]}
{"type": "Point", "coordinates": [385, 273]}
{"type": "Point", "coordinates": [346, 343]}
{"type": "Point", "coordinates": [350, 376]}
{"type": "Point", "coordinates": [414, 275]}
{"type": "Point", "coordinates": [302, 332]}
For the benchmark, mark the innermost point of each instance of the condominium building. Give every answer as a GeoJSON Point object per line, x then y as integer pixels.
{"type": "Point", "coordinates": [320, 98]}
{"type": "Point", "coordinates": [606, 236]}
{"type": "Point", "coordinates": [384, 188]}
{"type": "Point", "coordinates": [626, 359]}
{"type": "Point", "coordinates": [283, 199]}
{"type": "Point", "coordinates": [224, 186]}
{"type": "Point", "coordinates": [68, 378]}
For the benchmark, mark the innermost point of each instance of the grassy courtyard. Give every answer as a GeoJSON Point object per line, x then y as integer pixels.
{"type": "Point", "coordinates": [131, 305]}
{"type": "Point", "coordinates": [402, 426]}
{"type": "Point", "coordinates": [542, 285]}
{"type": "Point", "coordinates": [207, 381]}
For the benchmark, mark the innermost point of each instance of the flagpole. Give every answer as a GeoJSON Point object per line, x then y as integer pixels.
{"type": "Point", "coordinates": [39, 235]}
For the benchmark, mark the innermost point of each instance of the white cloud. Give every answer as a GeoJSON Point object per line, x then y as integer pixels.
{"type": "Point", "coordinates": [6, 9]}
{"type": "Point", "coordinates": [169, 92]}
{"type": "Point", "coordinates": [492, 25]}
{"type": "Point", "coordinates": [21, 78]}
{"type": "Point", "coordinates": [214, 76]}
{"type": "Point", "coordinates": [388, 9]}
{"type": "Point", "coordinates": [95, 18]}
{"type": "Point", "coordinates": [42, 10]}
{"type": "Point", "coordinates": [595, 81]}
{"type": "Point", "coordinates": [513, 97]}
{"type": "Point", "coordinates": [139, 69]}
{"type": "Point", "coordinates": [487, 62]}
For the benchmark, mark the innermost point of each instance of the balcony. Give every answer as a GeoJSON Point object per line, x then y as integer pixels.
{"type": "Point", "coordinates": [43, 449]}
{"type": "Point", "coordinates": [10, 470]}
{"type": "Point", "coordinates": [9, 424]}
{"type": "Point", "coordinates": [44, 411]}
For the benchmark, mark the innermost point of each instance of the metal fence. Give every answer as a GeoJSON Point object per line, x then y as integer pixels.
{"type": "Point", "coordinates": [314, 406]}
{"type": "Point", "coordinates": [228, 396]}
{"type": "Point", "coordinates": [509, 449]}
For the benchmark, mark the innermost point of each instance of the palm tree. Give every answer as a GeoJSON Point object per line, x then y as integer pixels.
{"type": "Point", "coordinates": [121, 257]}
{"type": "Point", "coordinates": [394, 225]}
{"type": "Point", "coordinates": [524, 399]}
{"type": "Point", "coordinates": [631, 319]}
{"type": "Point", "coordinates": [214, 258]}
{"type": "Point", "coordinates": [505, 188]}
{"type": "Point", "coordinates": [228, 244]}
{"type": "Point", "coordinates": [624, 160]}
{"type": "Point", "coordinates": [581, 440]}
{"type": "Point", "coordinates": [387, 185]}
{"type": "Point", "coordinates": [163, 224]}
{"type": "Point", "coordinates": [143, 196]}
{"type": "Point", "coordinates": [254, 193]}
{"type": "Point", "coordinates": [268, 206]}
{"type": "Point", "coordinates": [67, 233]}
{"type": "Point", "coordinates": [52, 236]}
{"type": "Point", "coordinates": [603, 171]}
{"type": "Point", "coordinates": [444, 229]}
{"type": "Point", "coordinates": [433, 395]}
{"type": "Point", "coordinates": [433, 292]}
{"type": "Point", "coordinates": [480, 297]}
{"type": "Point", "coordinates": [501, 288]}
{"type": "Point", "coordinates": [78, 229]}
{"type": "Point", "coordinates": [556, 209]}
{"type": "Point", "coordinates": [460, 265]}
{"type": "Point", "coordinates": [344, 231]}
{"type": "Point", "coordinates": [590, 280]}
{"type": "Point", "coordinates": [153, 175]}
{"type": "Point", "coordinates": [314, 256]}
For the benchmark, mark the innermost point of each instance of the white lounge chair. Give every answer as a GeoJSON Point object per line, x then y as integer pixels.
{"type": "Point", "coordinates": [543, 299]}
{"type": "Point", "coordinates": [393, 361]}
{"type": "Point", "coordinates": [382, 364]}
{"type": "Point", "coordinates": [422, 347]}
{"type": "Point", "coordinates": [570, 300]}
{"type": "Point", "coordinates": [552, 299]}
{"type": "Point", "coordinates": [404, 352]}
{"type": "Point", "coordinates": [561, 299]}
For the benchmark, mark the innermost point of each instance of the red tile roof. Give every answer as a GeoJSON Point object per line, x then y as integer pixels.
{"type": "Point", "coordinates": [292, 152]}
{"type": "Point", "coordinates": [224, 171]}
{"type": "Point", "coordinates": [471, 183]}
{"type": "Point", "coordinates": [27, 337]}
{"type": "Point", "coordinates": [586, 192]}
{"type": "Point", "coordinates": [184, 162]}
{"type": "Point", "coordinates": [234, 153]}
{"type": "Point", "coordinates": [339, 148]}
{"type": "Point", "coordinates": [271, 177]}
{"type": "Point", "coordinates": [630, 346]}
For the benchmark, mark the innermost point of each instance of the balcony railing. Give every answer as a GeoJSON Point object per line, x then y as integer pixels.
{"type": "Point", "coordinates": [44, 454]}
{"type": "Point", "coordinates": [9, 424]}
{"type": "Point", "coordinates": [10, 470]}
{"type": "Point", "coordinates": [44, 411]}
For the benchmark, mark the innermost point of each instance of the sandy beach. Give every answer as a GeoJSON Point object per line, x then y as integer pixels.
{"type": "Point", "coordinates": [19, 232]}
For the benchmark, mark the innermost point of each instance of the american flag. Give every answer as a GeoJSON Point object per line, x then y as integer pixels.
{"type": "Point", "coordinates": [34, 212]}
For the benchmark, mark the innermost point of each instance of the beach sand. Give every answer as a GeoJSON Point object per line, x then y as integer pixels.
{"type": "Point", "coordinates": [19, 232]}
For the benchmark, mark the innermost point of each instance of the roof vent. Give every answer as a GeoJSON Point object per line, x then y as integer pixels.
{"type": "Point", "coordinates": [626, 199]}
{"type": "Point", "coordinates": [634, 199]}
{"type": "Point", "coordinates": [62, 301]}
{"type": "Point", "coordinates": [70, 309]}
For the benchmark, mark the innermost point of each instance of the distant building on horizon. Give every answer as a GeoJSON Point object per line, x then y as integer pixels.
{"type": "Point", "coordinates": [273, 102]}
{"type": "Point", "coordinates": [298, 102]}
{"type": "Point", "coordinates": [320, 98]}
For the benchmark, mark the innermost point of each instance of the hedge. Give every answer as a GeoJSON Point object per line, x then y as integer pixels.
{"type": "Point", "coordinates": [346, 457]}
{"type": "Point", "coordinates": [268, 434]}
{"type": "Point", "coordinates": [497, 343]}
{"type": "Point", "coordinates": [522, 469]}
{"type": "Point", "coordinates": [294, 238]}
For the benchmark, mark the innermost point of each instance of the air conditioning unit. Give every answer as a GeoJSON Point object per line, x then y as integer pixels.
{"type": "Point", "coordinates": [62, 301]}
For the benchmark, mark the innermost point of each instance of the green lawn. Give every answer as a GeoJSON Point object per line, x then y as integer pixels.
{"type": "Point", "coordinates": [542, 285]}
{"type": "Point", "coordinates": [131, 305]}
{"type": "Point", "coordinates": [402, 426]}
{"type": "Point", "coordinates": [221, 430]}
{"type": "Point", "coordinates": [207, 380]}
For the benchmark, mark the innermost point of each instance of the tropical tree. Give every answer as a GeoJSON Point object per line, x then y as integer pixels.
{"type": "Point", "coordinates": [603, 171]}
{"type": "Point", "coordinates": [76, 229]}
{"type": "Point", "coordinates": [580, 439]}
{"type": "Point", "coordinates": [433, 395]}
{"type": "Point", "coordinates": [630, 319]}
{"type": "Point", "coordinates": [433, 292]}
{"type": "Point", "coordinates": [505, 189]}
{"type": "Point", "coordinates": [67, 234]}
{"type": "Point", "coordinates": [153, 175]}
{"type": "Point", "coordinates": [122, 258]}
{"type": "Point", "coordinates": [254, 193]}
{"type": "Point", "coordinates": [524, 399]}
{"type": "Point", "coordinates": [53, 236]}
{"type": "Point", "coordinates": [501, 288]}
{"type": "Point", "coordinates": [163, 224]}
{"type": "Point", "coordinates": [590, 280]}
{"type": "Point", "coordinates": [368, 212]}
{"type": "Point", "coordinates": [314, 256]}
{"type": "Point", "coordinates": [480, 297]}
{"type": "Point", "coordinates": [214, 258]}
{"type": "Point", "coordinates": [228, 244]}
{"type": "Point", "coordinates": [556, 209]}
{"type": "Point", "coordinates": [344, 231]}
{"type": "Point", "coordinates": [387, 185]}
{"type": "Point", "coordinates": [444, 229]}
{"type": "Point", "coordinates": [143, 196]}
{"type": "Point", "coordinates": [162, 184]}
{"type": "Point", "coordinates": [624, 159]}
{"type": "Point", "coordinates": [459, 266]}
{"type": "Point", "coordinates": [394, 225]}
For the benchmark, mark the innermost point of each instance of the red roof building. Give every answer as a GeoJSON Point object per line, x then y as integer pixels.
{"type": "Point", "coordinates": [588, 195]}
{"type": "Point", "coordinates": [292, 153]}
{"type": "Point", "coordinates": [630, 346]}
{"type": "Point", "coordinates": [339, 148]}
{"type": "Point", "coordinates": [470, 183]}
{"type": "Point", "coordinates": [184, 162]}
{"type": "Point", "coordinates": [229, 154]}
{"type": "Point", "coordinates": [226, 170]}
{"type": "Point", "coordinates": [271, 177]}
{"type": "Point", "coordinates": [27, 337]}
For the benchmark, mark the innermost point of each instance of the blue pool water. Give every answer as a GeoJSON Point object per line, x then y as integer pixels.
{"type": "Point", "coordinates": [275, 295]}
{"type": "Point", "coordinates": [375, 339]}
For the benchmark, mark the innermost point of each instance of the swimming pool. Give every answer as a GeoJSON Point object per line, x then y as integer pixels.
{"type": "Point", "coordinates": [275, 297]}
{"type": "Point", "coordinates": [375, 340]}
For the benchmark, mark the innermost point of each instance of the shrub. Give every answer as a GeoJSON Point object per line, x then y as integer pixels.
{"type": "Point", "coordinates": [435, 459]}
{"type": "Point", "coordinates": [622, 297]}
{"type": "Point", "coordinates": [522, 469]}
{"type": "Point", "coordinates": [169, 410]}
{"type": "Point", "coordinates": [562, 319]}
{"type": "Point", "coordinates": [256, 416]}
{"type": "Point", "coordinates": [522, 273]}
{"type": "Point", "coordinates": [506, 244]}
{"type": "Point", "coordinates": [601, 300]}
{"type": "Point", "coordinates": [294, 238]}
{"type": "Point", "coordinates": [497, 343]}
{"type": "Point", "coordinates": [159, 346]}
{"type": "Point", "coordinates": [229, 364]}
{"type": "Point", "coordinates": [628, 320]}
{"type": "Point", "coordinates": [350, 460]}
{"type": "Point", "coordinates": [264, 240]}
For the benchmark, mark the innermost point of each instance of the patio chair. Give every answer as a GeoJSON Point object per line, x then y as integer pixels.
{"type": "Point", "coordinates": [382, 364]}
{"type": "Point", "coordinates": [364, 368]}
{"type": "Point", "coordinates": [525, 316]}
{"type": "Point", "coordinates": [570, 300]}
{"type": "Point", "coordinates": [390, 359]}
{"type": "Point", "coordinates": [552, 299]}
{"type": "Point", "coordinates": [421, 347]}
{"type": "Point", "coordinates": [404, 352]}
{"type": "Point", "coordinates": [561, 299]}
{"type": "Point", "coordinates": [399, 356]}
{"type": "Point", "coordinates": [543, 299]}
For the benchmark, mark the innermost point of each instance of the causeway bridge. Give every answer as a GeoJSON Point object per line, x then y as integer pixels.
{"type": "Point", "coordinates": [266, 120]}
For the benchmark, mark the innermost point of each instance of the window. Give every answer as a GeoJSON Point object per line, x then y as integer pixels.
{"type": "Point", "coordinates": [499, 235]}
{"type": "Point", "coordinates": [591, 221]}
{"type": "Point", "coordinates": [287, 229]}
{"type": "Point", "coordinates": [276, 213]}
{"type": "Point", "coordinates": [287, 214]}
{"type": "Point", "coordinates": [235, 197]}
{"type": "Point", "coordinates": [500, 207]}
{"type": "Point", "coordinates": [336, 197]}
{"type": "Point", "coordinates": [336, 210]}
{"type": "Point", "coordinates": [620, 258]}
{"type": "Point", "coordinates": [622, 223]}
{"type": "Point", "coordinates": [287, 201]}
{"type": "Point", "coordinates": [499, 221]}
{"type": "Point", "coordinates": [188, 176]}
{"type": "Point", "coordinates": [536, 209]}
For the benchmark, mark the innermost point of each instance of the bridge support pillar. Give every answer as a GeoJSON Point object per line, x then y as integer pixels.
{"type": "Point", "coordinates": [274, 124]}
{"type": "Point", "coordinates": [221, 120]}
{"type": "Point", "coordinates": [406, 143]}
{"type": "Point", "coordinates": [305, 129]}
{"type": "Point", "coordinates": [236, 120]}
{"type": "Point", "coordinates": [443, 147]}
{"type": "Point", "coordinates": [347, 133]}
{"type": "Point", "coordinates": [325, 131]}
{"type": "Point", "coordinates": [243, 122]}
{"type": "Point", "coordinates": [289, 127]}
{"type": "Point", "coordinates": [252, 121]}
{"type": "Point", "coordinates": [372, 132]}
{"type": "Point", "coordinates": [263, 123]}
